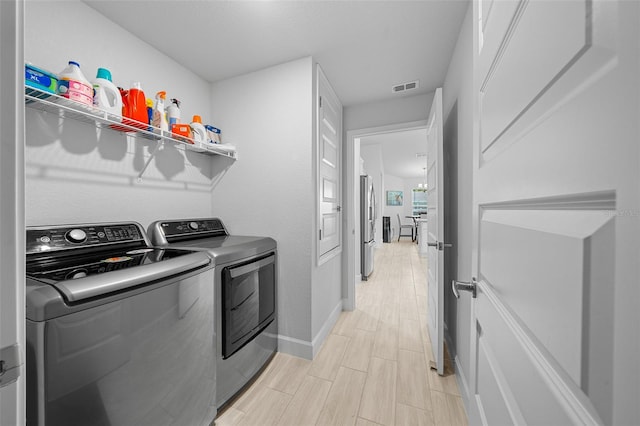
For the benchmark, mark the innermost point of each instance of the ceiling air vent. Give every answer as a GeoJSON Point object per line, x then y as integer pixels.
{"type": "Point", "coordinates": [404, 87]}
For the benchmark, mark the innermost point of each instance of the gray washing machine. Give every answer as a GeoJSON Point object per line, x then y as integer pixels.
{"type": "Point", "coordinates": [245, 283]}
{"type": "Point", "coordinates": [118, 333]}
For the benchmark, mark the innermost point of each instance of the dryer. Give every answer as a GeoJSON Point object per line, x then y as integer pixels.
{"type": "Point", "coordinates": [245, 288]}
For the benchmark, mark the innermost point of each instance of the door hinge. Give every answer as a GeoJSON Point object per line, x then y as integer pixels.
{"type": "Point", "coordinates": [9, 365]}
{"type": "Point", "coordinates": [320, 101]}
{"type": "Point", "coordinates": [320, 234]}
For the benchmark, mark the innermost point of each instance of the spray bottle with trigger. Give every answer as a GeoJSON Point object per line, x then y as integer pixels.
{"type": "Point", "coordinates": [159, 119]}
{"type": "Point", "coordinates": [173, 112]}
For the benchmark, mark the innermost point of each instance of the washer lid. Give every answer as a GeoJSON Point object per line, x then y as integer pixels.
{"type": "Point", "coordinates": [230, 248]}
{"type": "Point", "coordinates": [98, 274]}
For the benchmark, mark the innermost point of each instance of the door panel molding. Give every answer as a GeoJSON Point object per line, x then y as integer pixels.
{"type": "Point", "coordinates": [583, 53]}
{"type": "Point", "coordinates": [567, 304]}
{"type": "Point", "coordinates": [496, 384]}
{"type": "Point", "coordinates": [596, 200]}
{"type": "Point", "coordinates": [536, 369]}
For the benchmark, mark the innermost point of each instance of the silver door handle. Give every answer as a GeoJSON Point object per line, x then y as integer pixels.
{"type": "Point", "coordinates": [466, 286]}
{"type": "Point", "coordinates": [440, 245]}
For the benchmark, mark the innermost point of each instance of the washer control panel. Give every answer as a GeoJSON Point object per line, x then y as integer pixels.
{"type": "Point", "coordinates": [44, 239]}
{"type": "Point", "coordinates": [208, 227]}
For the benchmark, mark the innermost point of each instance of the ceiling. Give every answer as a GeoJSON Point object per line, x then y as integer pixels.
{"type": "Point", "coordinates": [364, 47]}
{"type": "Point", "coordinates": [399, 151]}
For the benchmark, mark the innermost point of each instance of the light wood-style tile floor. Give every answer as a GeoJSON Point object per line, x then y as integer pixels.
{"type": "Point", "coordinates": [373, 367]}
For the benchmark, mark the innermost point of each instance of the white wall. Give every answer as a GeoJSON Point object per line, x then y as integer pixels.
{"type": "Point", "coordinates": [268, 115]}
{"type": "Point", "coordinates": [403, 109]}
{"type": "Point", "coordinates": [394, 183]}
{"type": "Point", "coordinates": [76, 173]}
{"type": "Point", "coordinates": [458, 126]}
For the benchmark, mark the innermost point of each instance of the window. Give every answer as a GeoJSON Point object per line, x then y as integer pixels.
{"type": "Point", "coordinates": [418, 201]}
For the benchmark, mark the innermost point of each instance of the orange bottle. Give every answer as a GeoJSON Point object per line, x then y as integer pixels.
{"type": "Point", "coordinates": [134, 107]}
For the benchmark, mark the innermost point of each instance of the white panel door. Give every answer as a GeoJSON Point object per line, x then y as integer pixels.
{"type": "Point", "coordinates": [556, 208]}
{"type": "Point", "coordinates": [329, 139]}
{"type": "Point", "coordinates": [435, 231]}
{"type": "Point", "coordinates": [12, 234]}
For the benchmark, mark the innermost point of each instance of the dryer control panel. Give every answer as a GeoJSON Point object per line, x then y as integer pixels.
{"type": "Point", "coordinates": [200, 227]}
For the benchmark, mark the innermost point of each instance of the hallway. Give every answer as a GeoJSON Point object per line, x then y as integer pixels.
{"type": "Point", "coordinates": [372, 368]}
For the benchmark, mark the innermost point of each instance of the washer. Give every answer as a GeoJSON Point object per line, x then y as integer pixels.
{"type": "Point", "coordinates": [245, 282]}
{"type": "Point", "coordinates": [118, 333]}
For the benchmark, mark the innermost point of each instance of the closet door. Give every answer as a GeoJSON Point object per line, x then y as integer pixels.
{"type": "Point", "coordinates": [556, 213]}
{"type": "Point", "coordinates": [329, 155]}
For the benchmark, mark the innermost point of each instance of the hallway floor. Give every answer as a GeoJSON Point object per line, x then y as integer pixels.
{"type": "Point", "coordinates": [372, 368]}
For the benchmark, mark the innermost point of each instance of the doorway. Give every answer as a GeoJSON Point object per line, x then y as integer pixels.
{"type": "Point", "coordinates": [352, 207]}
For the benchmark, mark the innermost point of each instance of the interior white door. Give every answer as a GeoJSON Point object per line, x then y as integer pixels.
{"type": "Point", "coordinates": [329, 139]}
{"type": "Point", "coordinates": [435, 231]}
{"type": "Point", "coordinates": [556, 213]}
{"type": "Point", "coordinates": [12, 235]}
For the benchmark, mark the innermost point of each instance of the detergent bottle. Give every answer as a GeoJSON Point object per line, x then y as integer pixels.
{"type": "Point", "coordinates": [159, 118]}
{"type": "Point", "coordinates": [73, 85]}
{"type": "Point", "coordinates": [107, 97]}
{"type": "Point", "coordinates": [213, 134]}
{"type": "Point", "coordinates": [173, 112]}
{"type": "Point", "coordinates": [150, 113]}
{"type": "Point", "coordinates": [199, 132]}
{"type": "Point", "coordinates": [134, 106]}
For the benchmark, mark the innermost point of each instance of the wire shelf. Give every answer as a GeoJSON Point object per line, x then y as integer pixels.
{"type": "Point", "coordinates": [65, 108]}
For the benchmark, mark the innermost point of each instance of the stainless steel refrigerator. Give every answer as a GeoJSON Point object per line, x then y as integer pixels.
{"type": "Point", "coordinates": [367, 225]}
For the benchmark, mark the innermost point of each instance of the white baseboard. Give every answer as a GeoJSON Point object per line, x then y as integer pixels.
{"type": "Point", "coordinates": [463, 385]}
{"type": "Point", "coordinates": [308, 350]}
{"type": "Point", "coordinates": [295, 347]}
{"type": "Point", "coordinates": [326, 328]}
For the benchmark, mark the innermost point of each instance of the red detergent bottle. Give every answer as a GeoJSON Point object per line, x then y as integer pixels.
{"type": "Point", "coordinates": [134, 107]}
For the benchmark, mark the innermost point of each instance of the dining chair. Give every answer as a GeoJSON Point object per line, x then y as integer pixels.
{"type": "Point", "coordinates": [410, 227]}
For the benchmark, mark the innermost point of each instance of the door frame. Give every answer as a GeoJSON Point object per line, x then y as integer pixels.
{"type": "Point", "coordinates": [12, 207]}
{"type": "Point", "coordinates": [351, 232]}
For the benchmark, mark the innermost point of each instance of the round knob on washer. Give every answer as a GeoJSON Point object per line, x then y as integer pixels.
{"type": "Point", "coordinates": [193, 225]}
{"type": "Point", "coordinates": [76, 236]}
{"type": "Point", "coordinates": [78, 274]}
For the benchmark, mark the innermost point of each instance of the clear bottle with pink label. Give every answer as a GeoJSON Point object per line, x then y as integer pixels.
{"type": "Point", "coordinates": [73, 85]}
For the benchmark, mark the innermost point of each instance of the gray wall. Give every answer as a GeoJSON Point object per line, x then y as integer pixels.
{"type": "Point", "coordinates": [458, 137]}
{"type": "Point", "coordinates": [270, 191]}
{"type": "Point", "coordinates": [76, 173]}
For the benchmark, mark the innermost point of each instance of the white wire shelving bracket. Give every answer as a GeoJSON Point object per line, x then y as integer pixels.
{"type": "Point", "coordinates": [67, 109]}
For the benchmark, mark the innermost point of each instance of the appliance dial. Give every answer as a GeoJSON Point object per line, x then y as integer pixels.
{"type": "Point", "coordinates": [76, 273]}
{"type": "Point", "coordinates": [76, 236]}
{"type": "Point", "coordinates": [193, 225]}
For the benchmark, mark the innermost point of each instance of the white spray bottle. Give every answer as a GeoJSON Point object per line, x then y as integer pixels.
{"type": "Point", "coordinates": [159, 119]}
